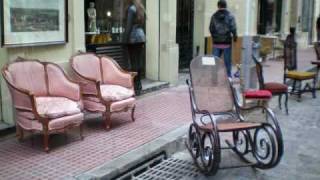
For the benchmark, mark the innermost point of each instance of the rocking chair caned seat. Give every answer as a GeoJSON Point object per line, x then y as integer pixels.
{"type": "Point", "coordinates": [106, 87]}
{"type": "Point", "coordinates": [216, 109]}
{"type": "Point", "coordinates": [276, 89]}
{"type": "Point", "coordinates": [291, 72]}
{"type": "Point", "coordinates": [45, 100]}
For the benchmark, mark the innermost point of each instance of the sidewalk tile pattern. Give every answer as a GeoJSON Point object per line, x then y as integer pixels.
{"type": "Point", "coordinates": [155, 116]}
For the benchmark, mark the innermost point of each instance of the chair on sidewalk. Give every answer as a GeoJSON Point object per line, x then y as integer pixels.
{"type": "Point", "coordinates": [105, 86]}
{"type": "Point", "coordinates": [276, 89]}
{"type": "Point", "coordinates": [317, 62]}
{"type": "Point", "coordinates": [45, 100]}
{"type": "Point", "coordinates": [216, 110]}
{"type": "Point", "coordinates": [262, 97]}
{"type": "Point", "coordinates": [291, 72]}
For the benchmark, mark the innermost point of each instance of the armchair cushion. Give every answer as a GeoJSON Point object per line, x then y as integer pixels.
{"type": "Point", "coordinates": [23, 119]}
{"type": "Point", "coordinates": [274, 87]}
{"type": "Point", "coordinates": [122, 105]}
{"type": "Point", "coordinates": [300, 75]}
{"type": "Point", "coordinates": [56, 107]}
{"type": "Point", "coordinates": [115, 92]}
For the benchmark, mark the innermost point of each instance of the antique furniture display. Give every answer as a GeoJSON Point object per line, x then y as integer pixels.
{"type": "Point", "coordinates": [291, 72]}
{"type": "Point", "coordinates": [216, 110]}
{"type": "Point", "coordinates": [45, 100]}
{"type": "Point", "coordinates": [105, 86]}
{"type": "Point", "coordinates": [277, 89]}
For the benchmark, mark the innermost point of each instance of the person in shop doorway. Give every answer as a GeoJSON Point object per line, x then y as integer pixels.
{"type": "Point", "coordinates": [135, 37]}
{"type": "Point", "coordinates": [223, 30]}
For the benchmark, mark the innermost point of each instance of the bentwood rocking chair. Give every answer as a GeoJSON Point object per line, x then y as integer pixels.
{"type": "Point", "coordinates": [216, 110]}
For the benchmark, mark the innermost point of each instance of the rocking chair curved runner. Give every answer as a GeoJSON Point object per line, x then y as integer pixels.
{"type": "Point", "coordinates": [216, 110]}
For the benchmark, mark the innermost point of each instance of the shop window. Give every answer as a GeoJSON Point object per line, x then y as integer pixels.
{"type": "Point", "coordinates": [104, 32]}
{"type": "Point", "coordinates": [110, 21]}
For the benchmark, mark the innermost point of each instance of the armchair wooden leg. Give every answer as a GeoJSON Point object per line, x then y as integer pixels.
{"type": "Point", "coordinates": [19, 133]}
{"type": "Point", "coordinates": [132, 113]}
{"type": "Point", "coordinates": [81, 131]}
{"type": "Point", "coordinates": [107, 116]}
{"type": "Point", "coordinates": [65, 135]}
{"type": "Point", "coordinates": [46, 141]}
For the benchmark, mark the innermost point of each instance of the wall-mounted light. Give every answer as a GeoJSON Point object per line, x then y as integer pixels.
{"type": "Point", "coordinates": [108, 13]}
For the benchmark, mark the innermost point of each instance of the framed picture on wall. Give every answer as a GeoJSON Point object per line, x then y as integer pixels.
{"type": "Point", "coordinates": [33, 22]}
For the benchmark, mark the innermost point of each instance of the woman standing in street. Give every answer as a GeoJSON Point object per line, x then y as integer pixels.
{"type": "Point", "coordinates": [135, 37]}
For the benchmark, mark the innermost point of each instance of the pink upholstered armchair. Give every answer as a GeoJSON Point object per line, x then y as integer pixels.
{"type": "Point", "coordinates": [45, 100]}
{"type": "Point", "coordinates": [105, 86]}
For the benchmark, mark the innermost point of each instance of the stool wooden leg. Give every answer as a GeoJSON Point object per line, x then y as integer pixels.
{"type": "Point", "coordinates": [280, 98]}
{"type": "Point", "coordinates": [286, 103]}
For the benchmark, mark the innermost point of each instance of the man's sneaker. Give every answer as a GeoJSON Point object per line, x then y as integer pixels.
{"type": "Point", "coordinates": [236, 74]}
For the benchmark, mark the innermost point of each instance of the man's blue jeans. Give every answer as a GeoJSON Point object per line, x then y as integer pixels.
{"type": "Point", "coordinates": [226, 56]}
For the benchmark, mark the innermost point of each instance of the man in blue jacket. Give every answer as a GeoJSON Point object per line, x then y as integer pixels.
{"type": "Point", "coordinates": [223, 30]}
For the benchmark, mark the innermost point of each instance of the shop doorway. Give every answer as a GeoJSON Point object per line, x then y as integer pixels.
{"type": "Point", "coordinates": [307, 18]}
{"type": "Point", "coordinates": [269, 16]}
{"type": "Point", "coordinates": [185, 21]}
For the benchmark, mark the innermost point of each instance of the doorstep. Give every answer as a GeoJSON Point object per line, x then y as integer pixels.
{"type": "Point", "coordinates": [4, 126]}
{"type": "Point", "coordinates": [151, 85]}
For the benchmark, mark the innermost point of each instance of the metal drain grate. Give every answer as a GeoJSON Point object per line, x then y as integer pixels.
{"type": "Point", "coordinates": [170, 169]}
{"type": "Point", "coordinates": [141, 168]}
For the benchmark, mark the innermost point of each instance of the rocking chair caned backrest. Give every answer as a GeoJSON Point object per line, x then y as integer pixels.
{"type": "Point", "coordinates": [210, 84]}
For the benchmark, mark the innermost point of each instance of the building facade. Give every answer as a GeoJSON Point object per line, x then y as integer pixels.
{"type": "Point", "coordinates": [171, 26]}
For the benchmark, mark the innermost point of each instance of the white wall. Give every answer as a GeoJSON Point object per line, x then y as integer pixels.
{"type": "Point", "coordinates": [152, 42]}
{"type": "Point", "coordinates": [169, 51]}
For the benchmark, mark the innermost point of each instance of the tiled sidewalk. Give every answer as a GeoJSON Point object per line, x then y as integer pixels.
{"type": "Point", "coordinates": [155, 116]}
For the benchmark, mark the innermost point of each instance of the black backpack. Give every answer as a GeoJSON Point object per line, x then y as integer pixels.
{"type": "Point", "coordinates": [221, 30]}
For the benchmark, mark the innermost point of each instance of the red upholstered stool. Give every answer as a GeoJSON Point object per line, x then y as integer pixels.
{"type": "Point", "coordinates": [261, 96]}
